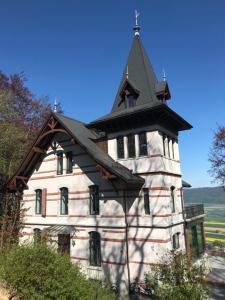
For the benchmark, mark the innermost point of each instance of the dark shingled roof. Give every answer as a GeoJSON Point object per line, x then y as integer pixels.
{"type": "Point", "coordinates": [185, 184]}
{"type": "Point", "coordinates": [85, 138]}
{"type": "Point", "coordinates": [142, 77]}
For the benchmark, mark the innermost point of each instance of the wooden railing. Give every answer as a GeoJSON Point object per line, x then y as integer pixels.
{"type": "Point", "coordinates": [193, 210]}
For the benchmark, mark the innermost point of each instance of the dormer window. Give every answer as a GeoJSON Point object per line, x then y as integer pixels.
{"type": "Point", "coordinates": [128, 95]}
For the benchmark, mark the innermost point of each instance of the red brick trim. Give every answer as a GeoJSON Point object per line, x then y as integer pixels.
{"type": "Point", "coordinates": [78, 258]}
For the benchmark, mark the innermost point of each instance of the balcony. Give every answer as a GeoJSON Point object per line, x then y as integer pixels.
{"type": "Point", "coordinates": [194, 211]}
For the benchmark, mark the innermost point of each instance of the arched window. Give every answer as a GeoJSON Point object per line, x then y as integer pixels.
{"type": "Point", "coordinates": [38, 202]}
{"type": "Point", "coordinates": [172, 191]}
{"type": "Point", "coordinates": [37, 235]}
{"type": "Point", "coordinates": [94, 199]}
{"type": "Point", "coordinates": [64, 201]}
{"type": "Point", "coordinates": [95, 248]}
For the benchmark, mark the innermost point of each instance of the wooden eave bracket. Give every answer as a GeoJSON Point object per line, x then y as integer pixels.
{"type": "Point", "coordinates": [39, 150]}
{"type": "Point", "coordinates": [14, 183]}
{"type": "Point", "coordinates": [105, 175]}
{"type": "Point", "coordinates": [52, 123]}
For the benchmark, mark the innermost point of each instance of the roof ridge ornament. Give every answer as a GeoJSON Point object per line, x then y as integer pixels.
{"type": "Point", "coordinates": [136, 27]}
{"type": "Point", "coordinates": [56, 104]}
{"type": "Point", "coordinates": [164, 75]}
{"type": "Point", "coordinates": [127, 73]}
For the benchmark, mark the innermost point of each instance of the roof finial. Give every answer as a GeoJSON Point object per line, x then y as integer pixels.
{"type": "Point", "coordinates": [127, 73]}
{"type": "Point", "coordinates": [164, 75]}
{"type": "Point", "coordinates": [136, 27]}
{"type": "Point", "coordinates": [55, 109]}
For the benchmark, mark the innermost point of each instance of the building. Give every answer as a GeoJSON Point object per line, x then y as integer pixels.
{"type": "Point", "coordinates": [109, 193]}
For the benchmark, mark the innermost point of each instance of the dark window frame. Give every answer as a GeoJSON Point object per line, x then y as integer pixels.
{"type": "Point", "coordinates": [172, 191]}
{"type": "Point", "coordinates": [120, 147]}
{"type": "Point", "coordinates": [38, 201]}
{"type": "Point", "coordinates": [146, 201]}
{"type": "Point", "coordinates": [94, 199]}
{"type": "Point", "coordinates": [176, 240]}
{"type": "Point", "coordinates": [95, 249]}
{"type": "Point", "coordinates": [164, 145]}
{"type": "Point", "coordinates": [60, 163]}
{"type": "Point", "coordinates": [37, 235]}
{"type": "Point", "coordinates": [69, 162]}
{"type": "Point", "coordinates": [64, 200]}
{"type": "Point", "coordinates": [143, 146]}
{"type": "Point", "coordinates": [131, 147]}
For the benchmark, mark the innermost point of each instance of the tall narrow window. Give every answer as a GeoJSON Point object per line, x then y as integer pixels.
{"type": "Point", "coordinates": [94, 199]}
{"type": "Point", "coordinates": [164, 145]}
{"type": "Point", "coordinates": [37, 235]}
{"type": "Point", "coordinates": [60, 163]}
{"type": "Point", "coordinates": [95, 248]}
{"type": "Point", "coordinates": [131, 145]}
{"type": "Point", "coordinates": [64, 201]}
{"type": "Point", "coordinates": [64, 243]}
{"type": "Point", "coordinates": [172, 191]}
{"type": "Point", "coordinates": [173, 154]}
{"type": "Point", "coordinates": [146, 201]}
{"type": "Point", "coordinates": [69, 162]}
{"type": "Point", "coordinates": [38, 202]}
{"type": "Point", "coordinates": [176, 241]}
{"type": "Point", "coordinates": [120, 147]}
{"type": "Point", "coordinates": [143, 149]}
{"type": "Point", "coordinates": [168, 144]}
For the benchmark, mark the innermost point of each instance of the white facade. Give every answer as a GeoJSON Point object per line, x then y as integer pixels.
{"type": "Point", "coordinates": [130, 242]}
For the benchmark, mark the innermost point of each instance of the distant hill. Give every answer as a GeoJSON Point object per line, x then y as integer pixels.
{"type": "Point", "coordinates": [206, 195]}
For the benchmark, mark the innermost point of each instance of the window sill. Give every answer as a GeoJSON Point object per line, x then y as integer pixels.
{"type": "Point", "coordinates": [95, 268]}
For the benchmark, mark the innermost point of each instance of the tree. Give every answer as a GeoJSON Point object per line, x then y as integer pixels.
{"type": "Point", "coordinates": [178, 278]}
{"type": "Point", "coordinates": [38, 272]}
{"type": "Point", "coordinates": [217, 156]}
{"type": "Point", "coordinates": [21, 116]}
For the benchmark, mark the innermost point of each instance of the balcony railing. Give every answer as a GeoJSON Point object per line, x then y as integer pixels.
{"type": "Point", "coordinates": [194, 210]}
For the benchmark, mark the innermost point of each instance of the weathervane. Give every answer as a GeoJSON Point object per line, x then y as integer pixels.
{"type": "Point", "coordinates": [55, 109]}
{"type": "Point", "coordinates": [136, 27]}
{"type": "Point", "coordinates": [127, 73]}
{"type": "Point", "coordinates": [164, 75]}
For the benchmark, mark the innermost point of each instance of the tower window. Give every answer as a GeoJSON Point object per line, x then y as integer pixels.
{"type": "Point", "coordinates": [172, 191]}
{"type": "Point", "coordinates": [64, 201]}
{"type": "Point", "coordinates": [69, 162]}
{"type": "Point", "coordinates": [120, 147]}
{"type": "Point", "coordinates": [176, 241]}
{"type": "Point", "coordinates": [131, 145]}
{"type": "Point", "coordinates": [146, 201]}
{"type": "Point", "coordinates": [95, 248]}
{"type": "Point", "coordinates": [143, 149]}
{"type": "Point", "coordinates": [60, 163]}
{"type": "Point", "coordinates": [131, 100]}
{"type": "Point", "coordinates": [94, 200]}
{"type": "Point", "coordinates": [38, 202]}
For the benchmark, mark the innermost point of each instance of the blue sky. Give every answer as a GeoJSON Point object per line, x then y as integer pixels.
{"type": "Point", "coordinates": [76, 50]}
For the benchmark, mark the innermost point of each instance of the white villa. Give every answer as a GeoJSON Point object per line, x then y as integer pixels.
{"type": "Point", "coordinates": [109, 193]}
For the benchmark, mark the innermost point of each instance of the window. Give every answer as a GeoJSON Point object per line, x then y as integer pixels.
{"type": "Point", "coordinates": [131, 145]}
{"type": "Point", "coordinates": [120, 147]}
{"type": "Point", "coordinates": [69, 162]}
{"type": "Point", "coordinates": [176, 241]}
{"type": "Point", "coordinates": [95, 248]}
{"type": "Point", "coordinates": [172, 190]}
{"type": "Point", "coordinates": [168, 144]}
{"type": "Point", "coordinates": [164, 145]}
{"type": "Point", "coordinates": [38, 202]}
{"type": "Point", "coordinates": [37, 235]}
{"type": "Point", "coordinates": [173, 155]}
{"type": "Point", "coordinates": [143, 150]}
{"type": "Point", "coordinates": [64, 201]}
{"type": "Point", "coordinates": [94, 199]}
{"type": "Point", "coordinates": [64, 243]}
{"type": "Point", "coordinates": [146, 201]}
{"type": "Point", "coordinates": [60, 163]}
{"type": "Point", "coordinates": [131, 100]}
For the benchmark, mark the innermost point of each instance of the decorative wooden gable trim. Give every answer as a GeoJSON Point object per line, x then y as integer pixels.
{"type": "Point", "coordinates": [105, 175]}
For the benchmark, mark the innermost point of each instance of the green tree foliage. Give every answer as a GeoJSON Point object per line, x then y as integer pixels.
{"type": "Point", "coordinates": [178, 278]}
{"type": "Point", "coordinates": [38, 272]}
{"type": "Point", "coordinates": [21, 116]}
{"type": "Point", "coordinates": [217, 156]}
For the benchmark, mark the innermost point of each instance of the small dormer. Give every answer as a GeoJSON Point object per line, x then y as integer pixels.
{"type": "Point", "coordinates": [162, 91]}
{"type": "Point", "coordinates": [128, 95]}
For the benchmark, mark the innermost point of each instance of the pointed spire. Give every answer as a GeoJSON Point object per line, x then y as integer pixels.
{"type": "Point", "coordinates": [164, 74]}
{"type": "Point", "coordinates": [55, 108]}
{"type": "Point", "coordinates": [136, 27]}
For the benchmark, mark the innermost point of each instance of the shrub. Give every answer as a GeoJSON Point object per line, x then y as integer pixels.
{"type": "Point", "coordinates": [178, 278]}
{"type": "Point", "coordinates": [38, 272]}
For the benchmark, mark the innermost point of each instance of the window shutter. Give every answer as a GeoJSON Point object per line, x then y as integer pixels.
{"type": "Point", "coordinates": [43, 204]}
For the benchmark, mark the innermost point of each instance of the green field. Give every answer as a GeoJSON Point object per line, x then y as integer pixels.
{"type": "Point", "coordinates": [215, 223]}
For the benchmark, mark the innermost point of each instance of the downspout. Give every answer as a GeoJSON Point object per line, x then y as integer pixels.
{"type": "Point", "coordinates": [126, 239]}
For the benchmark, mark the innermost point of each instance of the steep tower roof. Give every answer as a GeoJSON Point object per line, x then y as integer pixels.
{"type": "Point", "coordinates": [140, 77]}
